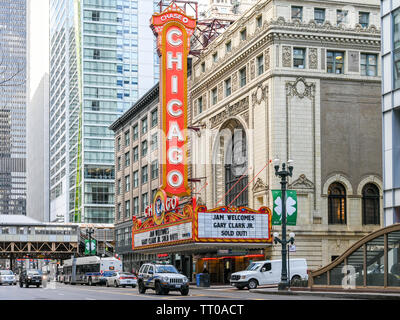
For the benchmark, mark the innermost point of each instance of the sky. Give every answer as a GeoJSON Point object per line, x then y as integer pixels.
{"type": "Point", "coordinates": [38, 42]}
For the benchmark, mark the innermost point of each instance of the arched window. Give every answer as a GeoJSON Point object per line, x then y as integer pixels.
{"type": "Point", "coordinates": [236, 178]}
{"type": "Point", "coordinates": [370, 204]}
{"type": "Point", "coordinates": [337, 204]}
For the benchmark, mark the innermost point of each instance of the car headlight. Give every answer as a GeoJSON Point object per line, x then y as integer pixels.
{"type": "Point", "coordinates": [29, 278]}
{"type": "Point", "coordinates": [185, 279]}
{"type": "Point", "coordinates": [164, 279]}
{"type": "Point", "coordinates": [243, 277]}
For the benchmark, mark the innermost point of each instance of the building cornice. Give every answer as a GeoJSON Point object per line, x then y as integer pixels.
{"type": "Point", "coordinates": [278, 31]}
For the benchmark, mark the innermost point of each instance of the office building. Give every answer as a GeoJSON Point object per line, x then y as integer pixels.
{"type": "Point", "coordinates": [13, 107]}
{"type": "Point", "coordinates": [102, 59]}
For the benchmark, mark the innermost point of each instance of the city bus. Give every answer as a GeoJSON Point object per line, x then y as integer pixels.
{"type": "Point", "coordinates": [90, 270]}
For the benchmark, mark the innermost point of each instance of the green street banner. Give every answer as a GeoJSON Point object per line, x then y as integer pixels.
{"type": "Point", "coordinates": [90, 247]}
{"type": "Point", "coordinates": [291, 207]}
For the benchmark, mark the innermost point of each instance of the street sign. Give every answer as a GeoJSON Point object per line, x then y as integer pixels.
{"type": "Point", "coordinates": [292, 248]}
{"type": "Point", "coordinates": [291, 207]}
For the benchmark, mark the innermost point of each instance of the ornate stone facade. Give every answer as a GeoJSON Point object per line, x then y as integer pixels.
{"type": "Point", "coordinates": [285, 113]}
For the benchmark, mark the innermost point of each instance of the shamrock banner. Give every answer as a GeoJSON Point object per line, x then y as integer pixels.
{"type": "Point", "coordinates": [291, 207]}
{"type": "Point", "coordinates": [90, 247]}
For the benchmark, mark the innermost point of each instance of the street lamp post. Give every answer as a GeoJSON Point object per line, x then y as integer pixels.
{"type": "Point", "coordinates": [283, 174]}
{"type": "Point", "coordinates": [89, 233]}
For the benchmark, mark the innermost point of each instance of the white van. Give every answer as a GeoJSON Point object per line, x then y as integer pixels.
{"type": "Point", "coordinates": [268, 272]}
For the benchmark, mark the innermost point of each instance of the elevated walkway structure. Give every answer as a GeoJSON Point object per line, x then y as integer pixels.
{"type": "Point", "coordinates": [21, 236]}
{"type": "Point", "coordinates": [371, 264]}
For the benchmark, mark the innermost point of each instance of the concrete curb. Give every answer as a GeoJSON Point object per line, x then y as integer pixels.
{"type": "Point", "coordinates": [338, 295]}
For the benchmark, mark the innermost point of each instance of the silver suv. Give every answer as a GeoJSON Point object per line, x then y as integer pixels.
{"type": "Point", "coordinates": [162, 278]}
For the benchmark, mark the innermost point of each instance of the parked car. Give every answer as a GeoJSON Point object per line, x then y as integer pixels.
{"type": "Point", "coordinates": [162, 278]}
{"type": "Point", "coordinates": [7, 277]}
{"type": "Point", "coordinates": [121, 279]}
{"type": "Point", "coordinates": [30, 278]}
{"type": "Point", "coordinates": [268, 272]}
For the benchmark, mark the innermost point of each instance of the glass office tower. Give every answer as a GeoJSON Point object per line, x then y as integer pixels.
{"type": "Point", "coordinates": [101, 61]}
{"type": "Point", "coordinates": [390, 17]}
{"type": "Point", "coordinates": [12, 107]}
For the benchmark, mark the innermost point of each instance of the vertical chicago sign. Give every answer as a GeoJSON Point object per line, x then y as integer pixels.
{"type": "Point", "coordinates": [173, 29]}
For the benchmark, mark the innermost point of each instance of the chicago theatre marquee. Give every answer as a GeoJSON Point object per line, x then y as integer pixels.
{"type": "Point", "coordinates": [222, 240]}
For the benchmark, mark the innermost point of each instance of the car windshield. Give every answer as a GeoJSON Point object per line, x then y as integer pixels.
{"type": "Point", "coordinates": [253, 266]}
{"type": "Point", "coordinates": [6, 272]}
{"type": "Point", "coordinates": [33, 273]}
{"type": "Point", "coordinates": [166, 269]}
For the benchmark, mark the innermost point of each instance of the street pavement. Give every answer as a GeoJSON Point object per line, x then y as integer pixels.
{"type": "Point", "coordinates": [59, 291]}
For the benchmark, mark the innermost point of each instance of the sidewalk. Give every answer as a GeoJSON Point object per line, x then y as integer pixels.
{"type": "Point", "coordinates": [307, 292]}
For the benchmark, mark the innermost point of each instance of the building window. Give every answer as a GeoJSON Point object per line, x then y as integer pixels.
{"type": "Point", "coordinates": [203, 67]}
{"type": "Point", "coordinates": [297, 13]}
{"type": "Point", "coordinates": [127, 140]}
{"type": "Point", "coordinates": [200, 105]}
{"type": "Point", "coordinates": [95, 16]}
{"type": "Point", "coordinates": [154, 142]}
{"type": "Point", "coordinates": [228, 87]}
{"type": "Point", "coordinates": [236, 164]}
{"type": "Point", "coordinates": [154, 118]}
{"type": "Point", "coordinates": [341, 16]}
{"type": "Point", "coordinates": [370, 204]}
{"type": "Point", "coordinates": [127, 183]}
{"type": "Point", "coordinates": [136, 206]}
{"type": "Point", "coordinates": [319, 15]}
{"type": "Point", "coordinates": [243, 34]}
{"type": "Point", "coordinates": [260, 65]}
{"type": "Point", "coordinates": [154, 169]}
{"type": "Point", "coordinates": [363, 19]}
{"type": "Point", "coordinates": [119, 163]}
{"type": "Point", "coordinates": [396, 46]}
{"type": "Point", "coordinates": [144, 148]}
{"type": "Point", "coordinates": [127, 159]}
{"type": "Point", "coordinates": [145, 201]}
{"type": "Point", "coordinates": [119, 187]}
{"type": "Point", "coordinates": [136, 179]}
{"type": "Point", "coordinates": [215, 56]}
{"type": "Point", "coordinates": [368, 64]}
{"type": "Point", "coordinates": [145, 175]}
{"type": "Point", "coordinates": [119, 144]}
{"type": "Point", "coordinates": [228, 46]}
{"type": "Point", "coordinates": [127, 208]}
{"type": "Point", "coordinates": [135, 154]}
{"type": "Point", "coordinates": [336, 204]}
{"type": "Point", "coordinates": [259, 21]}
{"type": "Point", "coordinates": [144, 125]}
{"type": "Point", "coordinates": [335, 62]}
{"type": "Point", "coordinates": [299, 58]}
{"type": "Point", "coordinates": [119, 211]}
{"type": "Point", "coordinates": [95, 105]}
{"type": "Point", "coordinates": [135, 132]}
{"type": "Point", "coordinates": [242, 77]}
{"type": "Point", "coordinates": [214, 97]}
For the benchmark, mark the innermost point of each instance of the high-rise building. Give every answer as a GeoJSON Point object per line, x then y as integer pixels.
{"type": "Point", "coordinates": [37, 112]}
{"type": "Point", "coordinates": [390, 11]}
{"type": "Point", "coordinates": [95, 50]}
{"type": "Point", "coordinates": [12, 106]}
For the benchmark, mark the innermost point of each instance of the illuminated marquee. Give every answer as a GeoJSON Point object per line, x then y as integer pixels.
{"type": "Point", "coordinates": [183, 225]}
{"type": "Point", "coordinates": [173, 30]}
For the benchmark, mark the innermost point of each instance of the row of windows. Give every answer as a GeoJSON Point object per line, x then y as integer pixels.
{"type": "Point", "coordinates": [135, 177]}
{"type": "Point", "coordinates": [135, 152]}
{"type": "Point", "coordinates": [337, 208]}
{"type": "Point", "coordinates": [135, 205]}
{"type": "Point", "coordinates": [334, 64]}
{"type": "Point", "coordinates": [135, 130]}
{"type": "Point", "coordinates": [341, 16]}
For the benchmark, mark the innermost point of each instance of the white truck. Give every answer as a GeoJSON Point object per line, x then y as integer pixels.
{"type": "Point", "coordinates": [268, 272]}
